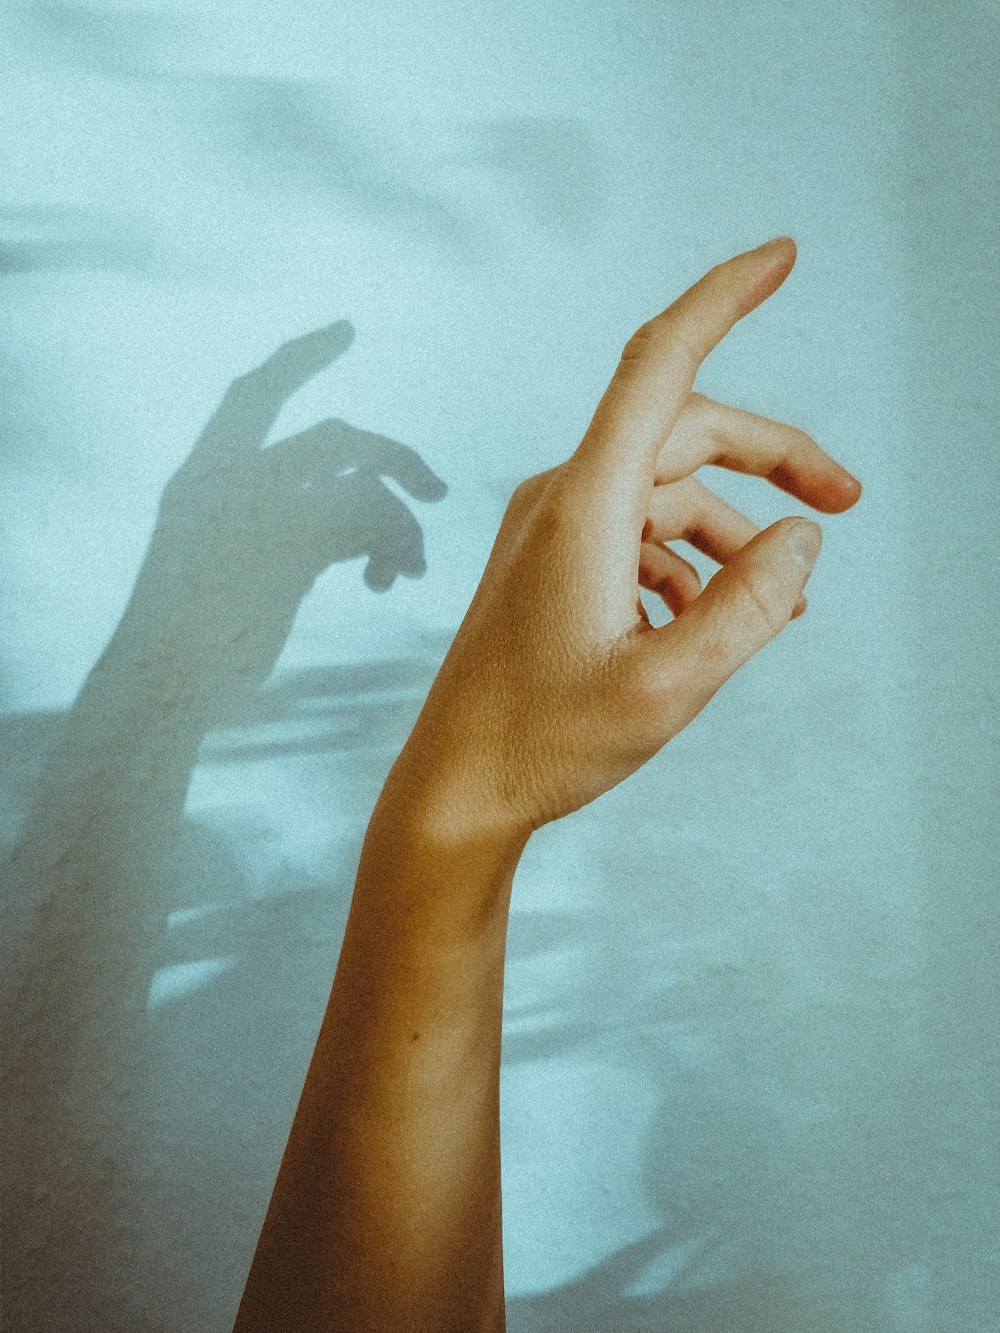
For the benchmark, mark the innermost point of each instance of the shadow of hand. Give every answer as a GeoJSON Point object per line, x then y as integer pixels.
{"type": "Point", "coordinates": [243, 531]}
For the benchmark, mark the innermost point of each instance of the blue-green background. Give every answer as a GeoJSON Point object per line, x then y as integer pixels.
{"type": "Point", "coordinates": [752, 1010]}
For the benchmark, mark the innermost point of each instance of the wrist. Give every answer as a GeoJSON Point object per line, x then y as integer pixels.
{"type": "Point", "coordinates": [440, 795]}
{"type": "Point", "coordinates": [437, 866]}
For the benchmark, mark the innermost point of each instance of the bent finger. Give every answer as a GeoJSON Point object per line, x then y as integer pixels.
{"type": "Point", "coordinates": [704, 520]}
{"type": "Point", "coordinates": [669, 575]}
{"type": "Point", "coordinates": [689, 510]}
{"type": "Point", "coordinates": [711, 432]}
{"type": "Point", "coordinates": [743, 607]}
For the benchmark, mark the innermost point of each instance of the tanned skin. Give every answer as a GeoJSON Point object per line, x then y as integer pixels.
{"type": "Point", "coordinates": [386, 1213]}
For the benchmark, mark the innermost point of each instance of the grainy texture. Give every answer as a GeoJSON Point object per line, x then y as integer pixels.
{"type": "Point", "coordinates": [750, 1035]}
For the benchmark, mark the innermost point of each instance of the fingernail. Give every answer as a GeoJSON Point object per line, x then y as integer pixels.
{"type": "Point", "coordinates": [804, 542]}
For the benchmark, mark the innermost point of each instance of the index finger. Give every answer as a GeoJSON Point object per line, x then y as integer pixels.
{"type": "Point", "coordinates": [658, 366]}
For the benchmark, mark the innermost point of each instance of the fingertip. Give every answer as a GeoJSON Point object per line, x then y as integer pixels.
{"type": "Point", "coordinates": [780, 244]}
{"type": "Point", "coordinates": [780, 254]}
{"type": "Point", "coordinates": [789, 250]}
{"type": "Point", "coordinates": [825, 486]}
{"type": "Point", "coordinates": [837, 494]}
{"type": "Point", "coordinates": [803, 539]}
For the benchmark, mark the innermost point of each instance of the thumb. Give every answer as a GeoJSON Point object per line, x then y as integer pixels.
{"type": "Point", "coordinates": [744, 606]}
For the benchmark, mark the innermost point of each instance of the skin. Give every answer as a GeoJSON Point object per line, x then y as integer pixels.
{"type": "Point", "coordinates": [386, 1214]}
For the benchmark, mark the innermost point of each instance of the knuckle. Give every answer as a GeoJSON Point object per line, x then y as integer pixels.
{"type": "Point", "coordinates": [791, 445]}
{"type": "Point", "coordinates": [524, 493]}
{"type": "Point", "coordinates": [688, 581]}
{"type": "Point", "coordinates": [681, 345]}
{"type": "Point", "coordinates": [781, 469]}
{"type": "Point", "coordinates": [758, 609]}
{"type": "Point", "coordinates": [707, 420]}
{"type": "Point", "coordinates": [528, 495]}
{"type": "Point", "coordinates": [562, 505]}
{"type": "Point", "coordinates": [665, 337]}
{"type": "Point", "coordinates": [638, 344]}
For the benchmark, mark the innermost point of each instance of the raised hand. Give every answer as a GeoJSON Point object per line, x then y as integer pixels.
{"type": "Point", "coordinates": [386, 1213]}
{"type": "Point", "coordinates": [557, 686]}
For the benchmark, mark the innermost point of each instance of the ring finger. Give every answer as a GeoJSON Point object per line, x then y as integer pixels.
{"type": "Point", "coordinates": [689, 511]}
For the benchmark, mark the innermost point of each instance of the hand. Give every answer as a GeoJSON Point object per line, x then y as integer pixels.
{"type": "Point", "coordinates": [386, 1211]}
{"type": "Point", "coordinates": [557, 686]}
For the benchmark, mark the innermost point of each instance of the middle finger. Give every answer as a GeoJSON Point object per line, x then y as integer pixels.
{"type": "Point", "coordinates": [711, 432]}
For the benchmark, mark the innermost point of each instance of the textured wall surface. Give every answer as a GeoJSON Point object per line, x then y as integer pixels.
{"type": "Point", "coordinates": [291, 296]}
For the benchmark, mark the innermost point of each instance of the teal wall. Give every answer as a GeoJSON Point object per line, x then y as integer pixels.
{"type": "Point", "coordinates": [750, 1048]}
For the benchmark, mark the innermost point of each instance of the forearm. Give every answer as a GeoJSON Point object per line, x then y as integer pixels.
{"type": "Point", "coordinates": [386, 1212]}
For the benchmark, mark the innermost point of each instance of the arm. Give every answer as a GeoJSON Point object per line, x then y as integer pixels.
{"type": "Point", "coordinates": [386, 1211]}
{"type": "Point", "coordinates": [386, 1214]}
